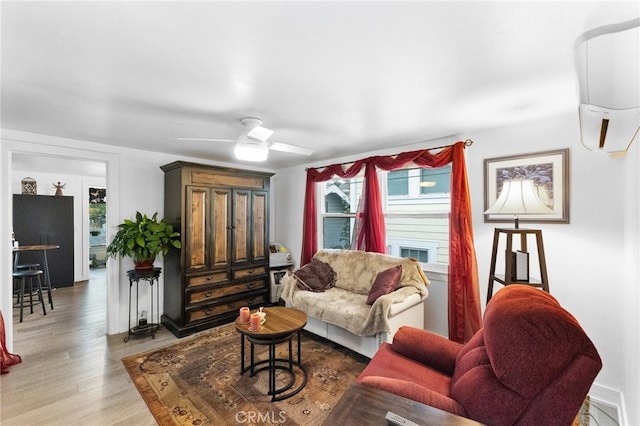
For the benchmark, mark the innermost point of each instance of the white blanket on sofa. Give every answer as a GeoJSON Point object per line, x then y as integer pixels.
{"type": "Point", "coordinates": [349, 310]}
{"type": "Point", "coordinates": [345, 304]}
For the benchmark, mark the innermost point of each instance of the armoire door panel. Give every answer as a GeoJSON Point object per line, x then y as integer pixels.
{"type": "Point", "coordinates": [221, 227]}
{"type": "Point", "coordinates": [196, 228]}
{"type": "Point", "coordinates": [259, 226]}
{"type": "Point", "coordinates": [241, 212]}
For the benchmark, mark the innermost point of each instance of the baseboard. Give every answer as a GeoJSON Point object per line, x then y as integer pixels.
{"type": "Point", "coordinates": [611, 397]}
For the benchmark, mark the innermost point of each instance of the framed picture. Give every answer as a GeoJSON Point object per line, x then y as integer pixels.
{"type": "Point", "coordinates": [550, 174]}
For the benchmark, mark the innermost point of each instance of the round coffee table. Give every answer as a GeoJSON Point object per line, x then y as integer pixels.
{"type": "Point", "coordinates": [280, 326]}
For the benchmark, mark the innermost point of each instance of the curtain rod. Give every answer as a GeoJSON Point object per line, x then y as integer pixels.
{"type": "Point", "coordinates": [467, 142]}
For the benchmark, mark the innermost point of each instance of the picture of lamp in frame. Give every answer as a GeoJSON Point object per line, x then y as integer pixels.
{"type": "Point", "coordinates": [529, 188]}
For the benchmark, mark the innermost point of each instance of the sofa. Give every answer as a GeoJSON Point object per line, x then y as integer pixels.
{"type": "Point", "coordinates": [530, 364]}
{"type": "Point", "coordinates": [334, 290]}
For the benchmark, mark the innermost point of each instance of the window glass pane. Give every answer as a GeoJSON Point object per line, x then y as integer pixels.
{"type": "Point", "coordinates": [334, 203]}
{"type": "Point", "coordinates": [336, 232]}
{"type": "Point", "coordinates": [398, 183]}
{"type": "Point", "coordinates": [421, 255]}
{"type": "Point", "coordinates": [429, 233]}
{"type": "Point", "coordinates": [342, 196]}
{"type": "Point", "coordinates": [435, 181]}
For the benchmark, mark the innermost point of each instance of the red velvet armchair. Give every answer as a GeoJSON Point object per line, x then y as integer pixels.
{"type": "Point", "coordinates": [530, 364]}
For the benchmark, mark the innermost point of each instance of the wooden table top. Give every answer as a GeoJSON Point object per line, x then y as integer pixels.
{"type": "Point", "coordinates": [36, 247]}
{"type": "Point", "coordinates": [370, 405]}
{"type": "Point", "coordinates": [280, 321]}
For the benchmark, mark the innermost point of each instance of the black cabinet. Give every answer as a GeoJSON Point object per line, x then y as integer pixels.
{"type": "Point", "coordinates": [44, 219]}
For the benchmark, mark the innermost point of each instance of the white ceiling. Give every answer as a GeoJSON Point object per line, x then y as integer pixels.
{"type": "Point", "coordinates": [340, 78]}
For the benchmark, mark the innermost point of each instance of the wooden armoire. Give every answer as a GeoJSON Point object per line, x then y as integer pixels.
{"type": "Point", "coordinates": [223, 218]}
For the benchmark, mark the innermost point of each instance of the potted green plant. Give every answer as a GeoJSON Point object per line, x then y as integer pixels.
{"type": "Point", "coordinates": [143, 239]}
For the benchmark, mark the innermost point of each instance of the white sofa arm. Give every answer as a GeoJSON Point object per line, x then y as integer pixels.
{"type": "Point", "coordinates": [407, 303]}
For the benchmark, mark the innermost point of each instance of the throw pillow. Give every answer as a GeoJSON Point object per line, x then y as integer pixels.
{"type": "Point", "coordinates": [385, 282]}
{"type": "Point", "coordinates": [315, 276]}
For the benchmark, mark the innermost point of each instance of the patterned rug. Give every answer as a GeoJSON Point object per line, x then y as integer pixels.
{"type": "Point", "coordinates": [198, 381]}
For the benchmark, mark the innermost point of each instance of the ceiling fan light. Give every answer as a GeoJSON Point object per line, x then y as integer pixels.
{"type": "Point", "coordinates": [251, 150]}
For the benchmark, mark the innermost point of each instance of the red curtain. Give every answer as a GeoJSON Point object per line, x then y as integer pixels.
{"type": "Point", "coordinates": [372, 236]}
{"type": "Point", "coordinates": [7, 359]}
{"type": "Point", "coordinates": [464, 294]}
{"type": "Point", "coordinates": [310, 230]}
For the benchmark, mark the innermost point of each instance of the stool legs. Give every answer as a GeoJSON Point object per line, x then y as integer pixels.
{"type": "Point", "coordinates": [21, 296]}
{"type": "Point", "coordinates": [46, 284]}
{"type": "Point", "coordinates": [22, 277]}
{"type": "Point", "coordinates": [41, 298]}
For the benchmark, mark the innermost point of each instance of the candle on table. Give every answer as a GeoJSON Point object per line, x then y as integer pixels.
{"type": "Point", "coordinates": [255, 321]}
{"type": "Point", "coordinates": [244, 314]}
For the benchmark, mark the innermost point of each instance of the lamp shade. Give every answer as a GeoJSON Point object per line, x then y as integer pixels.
{"type": "Point", "coordinates": [518, 197]}
{"type": "Point", "coordinates": [249, 149]}
{"type": "Point", "coordinates": [607, 61]}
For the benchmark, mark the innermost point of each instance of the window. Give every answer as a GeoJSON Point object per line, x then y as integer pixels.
{"type": "Point", "coordinates": [398, 183]}
{"type": "Point", "coordinates": [435, 181]}
{"type": "Point", "coordinates": [421, 255]}
{"type": "Point", "coordinates": [416, 205]}
{"type": "Point", "coordinates": [340, 206]}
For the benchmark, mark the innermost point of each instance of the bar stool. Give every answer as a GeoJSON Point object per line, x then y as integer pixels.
{"type": "Point", "coordinates": [25, 278]}
{"type": "Point", "coordinates": [45, 285]}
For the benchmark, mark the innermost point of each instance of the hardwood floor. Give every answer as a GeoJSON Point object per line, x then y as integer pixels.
{"type": "Point", "coordinates": [71, 371]}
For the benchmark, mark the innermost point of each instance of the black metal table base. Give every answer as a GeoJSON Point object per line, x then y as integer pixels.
{"type": "Point", "coordinates": [273, 364]}
{"type": "Point", "coordinates": [143, 330]}
{"type": "Point", "coordinates": [151, 276]}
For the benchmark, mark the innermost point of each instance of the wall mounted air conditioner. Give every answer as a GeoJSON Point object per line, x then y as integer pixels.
{"type": "Point", "coordinates": [607, 61]}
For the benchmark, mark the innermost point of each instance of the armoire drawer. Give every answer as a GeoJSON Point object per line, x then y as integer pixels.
{"type": "Point", "coordinates": [214, 277]}
{"type": "Point", "coordinates": [216, 310]}
{"type": "Point", "coordinates": [249, 272]}
{"type": "Point", "coordinates": [217, 292]}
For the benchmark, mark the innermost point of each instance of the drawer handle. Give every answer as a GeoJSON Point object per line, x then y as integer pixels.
{"type": "Point", "coordinates": [209, 278]}
{"type": "Point", "coordinates": [208, 294]}
{"type": "Point", "coordinates": [251, 301]}
{"type": "Point", "coordinates": [250, 271]}
{"type": "Point", "coordinates": [208, 312]}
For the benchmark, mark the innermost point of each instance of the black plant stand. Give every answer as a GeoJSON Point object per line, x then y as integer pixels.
{"type": "Point", "coordinates": [151, 276]}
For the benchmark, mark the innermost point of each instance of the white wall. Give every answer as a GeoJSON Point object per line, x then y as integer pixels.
{"type": "Point", "coordinates": [135, 182]}
{"type": "Point", "coordinates": [590, 269]}
{"type": "Point", "coordinates": [631, 317]}
{"type": "Point", "coordinates": [585, 258]}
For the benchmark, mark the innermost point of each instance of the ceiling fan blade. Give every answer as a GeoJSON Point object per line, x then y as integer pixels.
{"type": "Point", "coordinates": [285, 147]}
{"type": "Point", "coordinates": [206, 140]}
{"type": "Point", "coordinates": [261, 133]}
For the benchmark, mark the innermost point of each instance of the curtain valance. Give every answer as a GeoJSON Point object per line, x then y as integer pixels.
{"type": "Point", "coordinates": [464, 298]}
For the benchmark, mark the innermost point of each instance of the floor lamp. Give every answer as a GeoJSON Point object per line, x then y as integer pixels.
{"type": "Point", "coordinates": [519, 197]}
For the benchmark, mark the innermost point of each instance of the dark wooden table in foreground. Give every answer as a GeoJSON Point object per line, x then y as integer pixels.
{"type": "Point", "coordinates": [370, 405]}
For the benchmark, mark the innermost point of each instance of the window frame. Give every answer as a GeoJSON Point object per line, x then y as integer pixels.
{"type": "Point", "coordinates": [434, 200]}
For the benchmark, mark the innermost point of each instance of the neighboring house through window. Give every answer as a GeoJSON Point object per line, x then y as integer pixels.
{"type": "Point", "coordinates": [416, 203]}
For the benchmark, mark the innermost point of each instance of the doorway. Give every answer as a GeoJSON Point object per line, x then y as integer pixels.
{"type": "Point", "coordinates": [52, 158]}
{"type": "Point", "coordinates": [97, 228]}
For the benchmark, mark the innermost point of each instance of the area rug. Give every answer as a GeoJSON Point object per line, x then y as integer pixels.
{"type": "Point", "coordinates": [197, 381]}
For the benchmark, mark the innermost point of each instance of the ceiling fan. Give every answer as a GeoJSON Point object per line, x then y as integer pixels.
{"type": "Point", "coordinates": [253, 143]}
